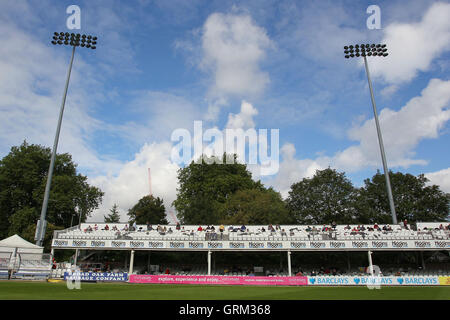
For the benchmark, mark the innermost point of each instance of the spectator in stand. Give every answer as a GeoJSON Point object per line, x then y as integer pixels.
{"type": "Point", "coordinates": [178, 227]}
{"type": "Point", "coordinates": [375, 226]}
{"type": "Point", "coordinates": [348, 227]}
{"type": "Point", "coordinates": [243, 228]}
{"type": "Point", "coordinates": [405, 224]}
{"type": "Point", "coordinates": [308, 229]}
{"type": "Point", "coordinates": [283, 233]}
{"type": "Point", "coordinates": [170, 230]}
{"type": "Point", "coordinates": [167, 271]}
{"type": "Point", "coordinates": [277, 227]}
{"type": "Point", "coordinates": [95, 227]}
{"type": "Point", "coordinates": [333, 224]}
{"type": "Point", "coordinates": [149, 227]}
{"type": "Point", "coordinates": [200, 228]}
{"type": "Point", "coordinates": [106, 228]}
{"type": "Point", "coordinates": [114, 228]}
{"type": "Point", "coordinates": [222, 228]}
{"type": "Point", "coordinates": [263, 230]}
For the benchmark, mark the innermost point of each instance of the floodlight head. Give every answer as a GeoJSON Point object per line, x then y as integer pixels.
{"type": "Point", "coordinates": [74, 40]}
{"type": "Point", "coordinates": [364, 50]}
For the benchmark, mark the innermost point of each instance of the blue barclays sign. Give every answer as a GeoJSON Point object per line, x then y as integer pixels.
{"type": "Point", "coordinates": [329, 280]}
{"type": "Point", "coordinates": [374, 280]}
{"type": "Point", "coordinates": [96, 276]}
{"type": "Point", "coordinates": [417, 281]}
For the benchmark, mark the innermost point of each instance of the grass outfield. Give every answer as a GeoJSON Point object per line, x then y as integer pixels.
{"type": "Point", "coordinates": [12, 290]}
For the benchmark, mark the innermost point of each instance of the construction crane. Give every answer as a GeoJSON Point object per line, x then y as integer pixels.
{"type": "Point", "coordinates": [171, 213]}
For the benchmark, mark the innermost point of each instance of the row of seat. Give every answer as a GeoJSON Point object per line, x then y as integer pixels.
{"type": "Point", "coordinates": [254, 233]}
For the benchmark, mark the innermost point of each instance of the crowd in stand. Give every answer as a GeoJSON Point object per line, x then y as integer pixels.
{"type": "Point", "coordinates": [211, 233]}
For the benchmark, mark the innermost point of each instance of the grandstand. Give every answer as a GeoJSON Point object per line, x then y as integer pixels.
{"type": "Point", "coordinates": [259, 238]}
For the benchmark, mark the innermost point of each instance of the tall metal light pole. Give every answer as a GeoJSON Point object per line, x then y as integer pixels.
{"type": "Point", "coordinates": [380, 50]}
{"type": "Point", "coordinates": [74, 40]}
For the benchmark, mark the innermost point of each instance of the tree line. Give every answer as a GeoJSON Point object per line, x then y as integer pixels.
{"type": "Point", "coordinates": [208, 193]}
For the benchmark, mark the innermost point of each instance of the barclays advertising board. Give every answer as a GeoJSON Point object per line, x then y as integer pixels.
{"type": "Point", "coordinates": [368, 280]}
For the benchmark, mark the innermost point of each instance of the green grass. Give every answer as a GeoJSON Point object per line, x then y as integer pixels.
{"type": "Point", "coordinates": [10, 290]}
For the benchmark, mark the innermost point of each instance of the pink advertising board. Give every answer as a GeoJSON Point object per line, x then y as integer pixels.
{"type": "Point", "coordinates": [220, 280]}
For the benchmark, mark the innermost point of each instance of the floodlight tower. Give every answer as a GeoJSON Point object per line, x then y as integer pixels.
{"type": "Point", "coordinates": [74, 40]}
{"type": "Point", "coordinates": [380, 50]}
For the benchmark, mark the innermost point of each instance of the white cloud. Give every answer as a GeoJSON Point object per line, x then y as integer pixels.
{"type": "Point", "coordinates": [421, 118]}
{"type": "Point", "coordinates": [413, 46]}
{"type": "Point", "coordinates": [233, 46]}
{"type": "Point", "coordinates": [293, 170]}
{"type": "Point", "coordinates": [440, 178]}
{"type": "Point", "coordinates": [31, 88]}
{"type": "Point", "coordinates": [132, 183]}
{"type": "Point", "coordinates": [244, 119]}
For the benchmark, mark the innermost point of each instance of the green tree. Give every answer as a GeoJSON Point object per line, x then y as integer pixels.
{"type": "Point", "coordinates": [23, 175]}
{"type": "Point", "coordinates": [255, 206]}
{"type": "Point", "coordinates": [148, 209]}
{"type": "Point", "coordinates": [326, 197]}
{"type": "Point", "coordinates": [114, 216]}
{"type": "Point", "coordinates": [204, 188]}
{"type": "Point", "coordinates": [414, 200]}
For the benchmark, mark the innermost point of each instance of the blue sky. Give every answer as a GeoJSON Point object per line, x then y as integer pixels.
{"type": "Point", "coordinates": [161, 65]}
